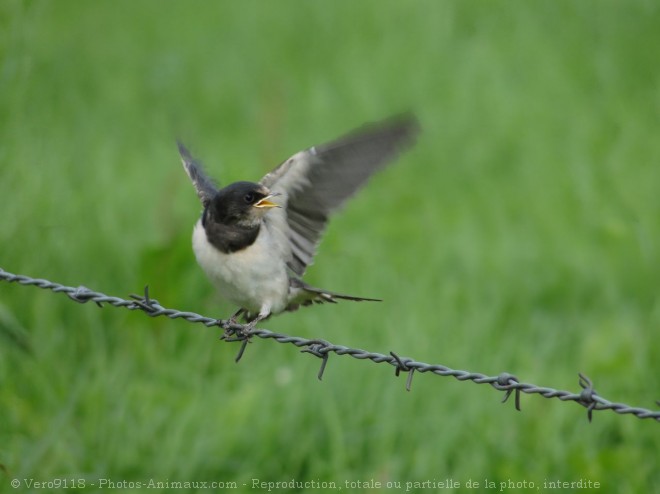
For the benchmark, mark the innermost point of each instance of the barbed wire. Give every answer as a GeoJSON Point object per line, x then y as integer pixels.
{"type": "Point", "coordinates": [234, 332]}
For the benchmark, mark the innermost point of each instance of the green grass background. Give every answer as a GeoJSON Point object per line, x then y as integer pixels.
{"type": "Point", "coordinates": [522, 234]}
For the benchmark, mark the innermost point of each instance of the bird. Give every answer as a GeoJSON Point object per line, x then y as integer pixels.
{"type": "Point", "coordinates": [255, 240]}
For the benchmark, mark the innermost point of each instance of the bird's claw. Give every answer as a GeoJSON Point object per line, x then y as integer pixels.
{"type": "Point", "coordinates": [235, 331]}
{"type": "Point", "coordinates": [246, 329]}
{"type": "Point", "coordinates": [231, 324]}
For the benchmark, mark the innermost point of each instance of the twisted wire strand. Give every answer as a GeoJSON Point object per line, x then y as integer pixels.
{"type": "Point", "coordinates": [234, 332]}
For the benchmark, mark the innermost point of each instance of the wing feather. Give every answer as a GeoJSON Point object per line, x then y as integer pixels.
{"type": "Point", "coordinates": [316, 182]}
{"type": "Point", "coordinates": [205, 187]}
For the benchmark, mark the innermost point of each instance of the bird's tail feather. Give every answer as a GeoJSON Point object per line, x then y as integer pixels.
{"type": "Point", "coordinates": [319, 295]}
{"type": "Point", "coordinates": [327, 296]}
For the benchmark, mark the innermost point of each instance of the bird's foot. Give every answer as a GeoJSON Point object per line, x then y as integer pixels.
{"type": "Point", "coordinates": [232, 322]}
{"type": "Point", "coordinates": [241, 331]}
{"type": "Point", "coordinates": [246, 329]}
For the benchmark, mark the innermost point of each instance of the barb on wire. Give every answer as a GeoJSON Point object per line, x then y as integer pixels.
{"type": "Point", "coordinates": [318, 348]}
{"type": "Point", "coordinates": [505, 382]}
{"type": "Point", "coordinates": [402, 367]}
{"type": "Point", "coordinates": [234, 332]}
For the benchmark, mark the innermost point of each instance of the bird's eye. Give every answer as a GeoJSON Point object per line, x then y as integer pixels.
{"type": "Point", "coordinates": [249, 198]}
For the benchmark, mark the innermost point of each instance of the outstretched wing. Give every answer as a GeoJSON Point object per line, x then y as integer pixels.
{"type": "Point", "coordinates": [204, 186]}
{"type": "Point", "coordinates": [317, 181]}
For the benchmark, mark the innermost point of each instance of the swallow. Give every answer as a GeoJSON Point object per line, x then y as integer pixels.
{"type": "Point", "coordinates": [254, 241]}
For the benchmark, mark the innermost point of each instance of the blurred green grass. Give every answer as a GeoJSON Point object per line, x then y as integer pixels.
{"type": "Point", "coordinates": [521, 234]}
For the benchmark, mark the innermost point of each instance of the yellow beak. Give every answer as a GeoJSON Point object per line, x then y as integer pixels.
{"type": "Point", "coordinates": [265, 203]}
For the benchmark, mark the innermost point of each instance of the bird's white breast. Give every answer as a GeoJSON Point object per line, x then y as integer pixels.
{"type": "Point", "coordinates": [254, 278]}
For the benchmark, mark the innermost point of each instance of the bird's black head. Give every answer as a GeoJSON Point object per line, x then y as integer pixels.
{"type": "Point", "coordinates": [241, 203]}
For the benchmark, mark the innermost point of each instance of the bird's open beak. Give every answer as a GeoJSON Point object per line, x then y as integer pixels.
{"type": "Point", "coordinates": [265, 203]}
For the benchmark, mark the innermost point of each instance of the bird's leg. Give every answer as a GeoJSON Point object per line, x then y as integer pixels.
{"type": "Point", "coordinates": [234, 317]}
{"type": "Point", "coordinates": [230, 323]}
{"type": "Point", "coordinates": [264, 313]}
{"type": "Point", "coordinates": [250, 326]}
{"type": "Point", "coordinates": [234, 331]}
